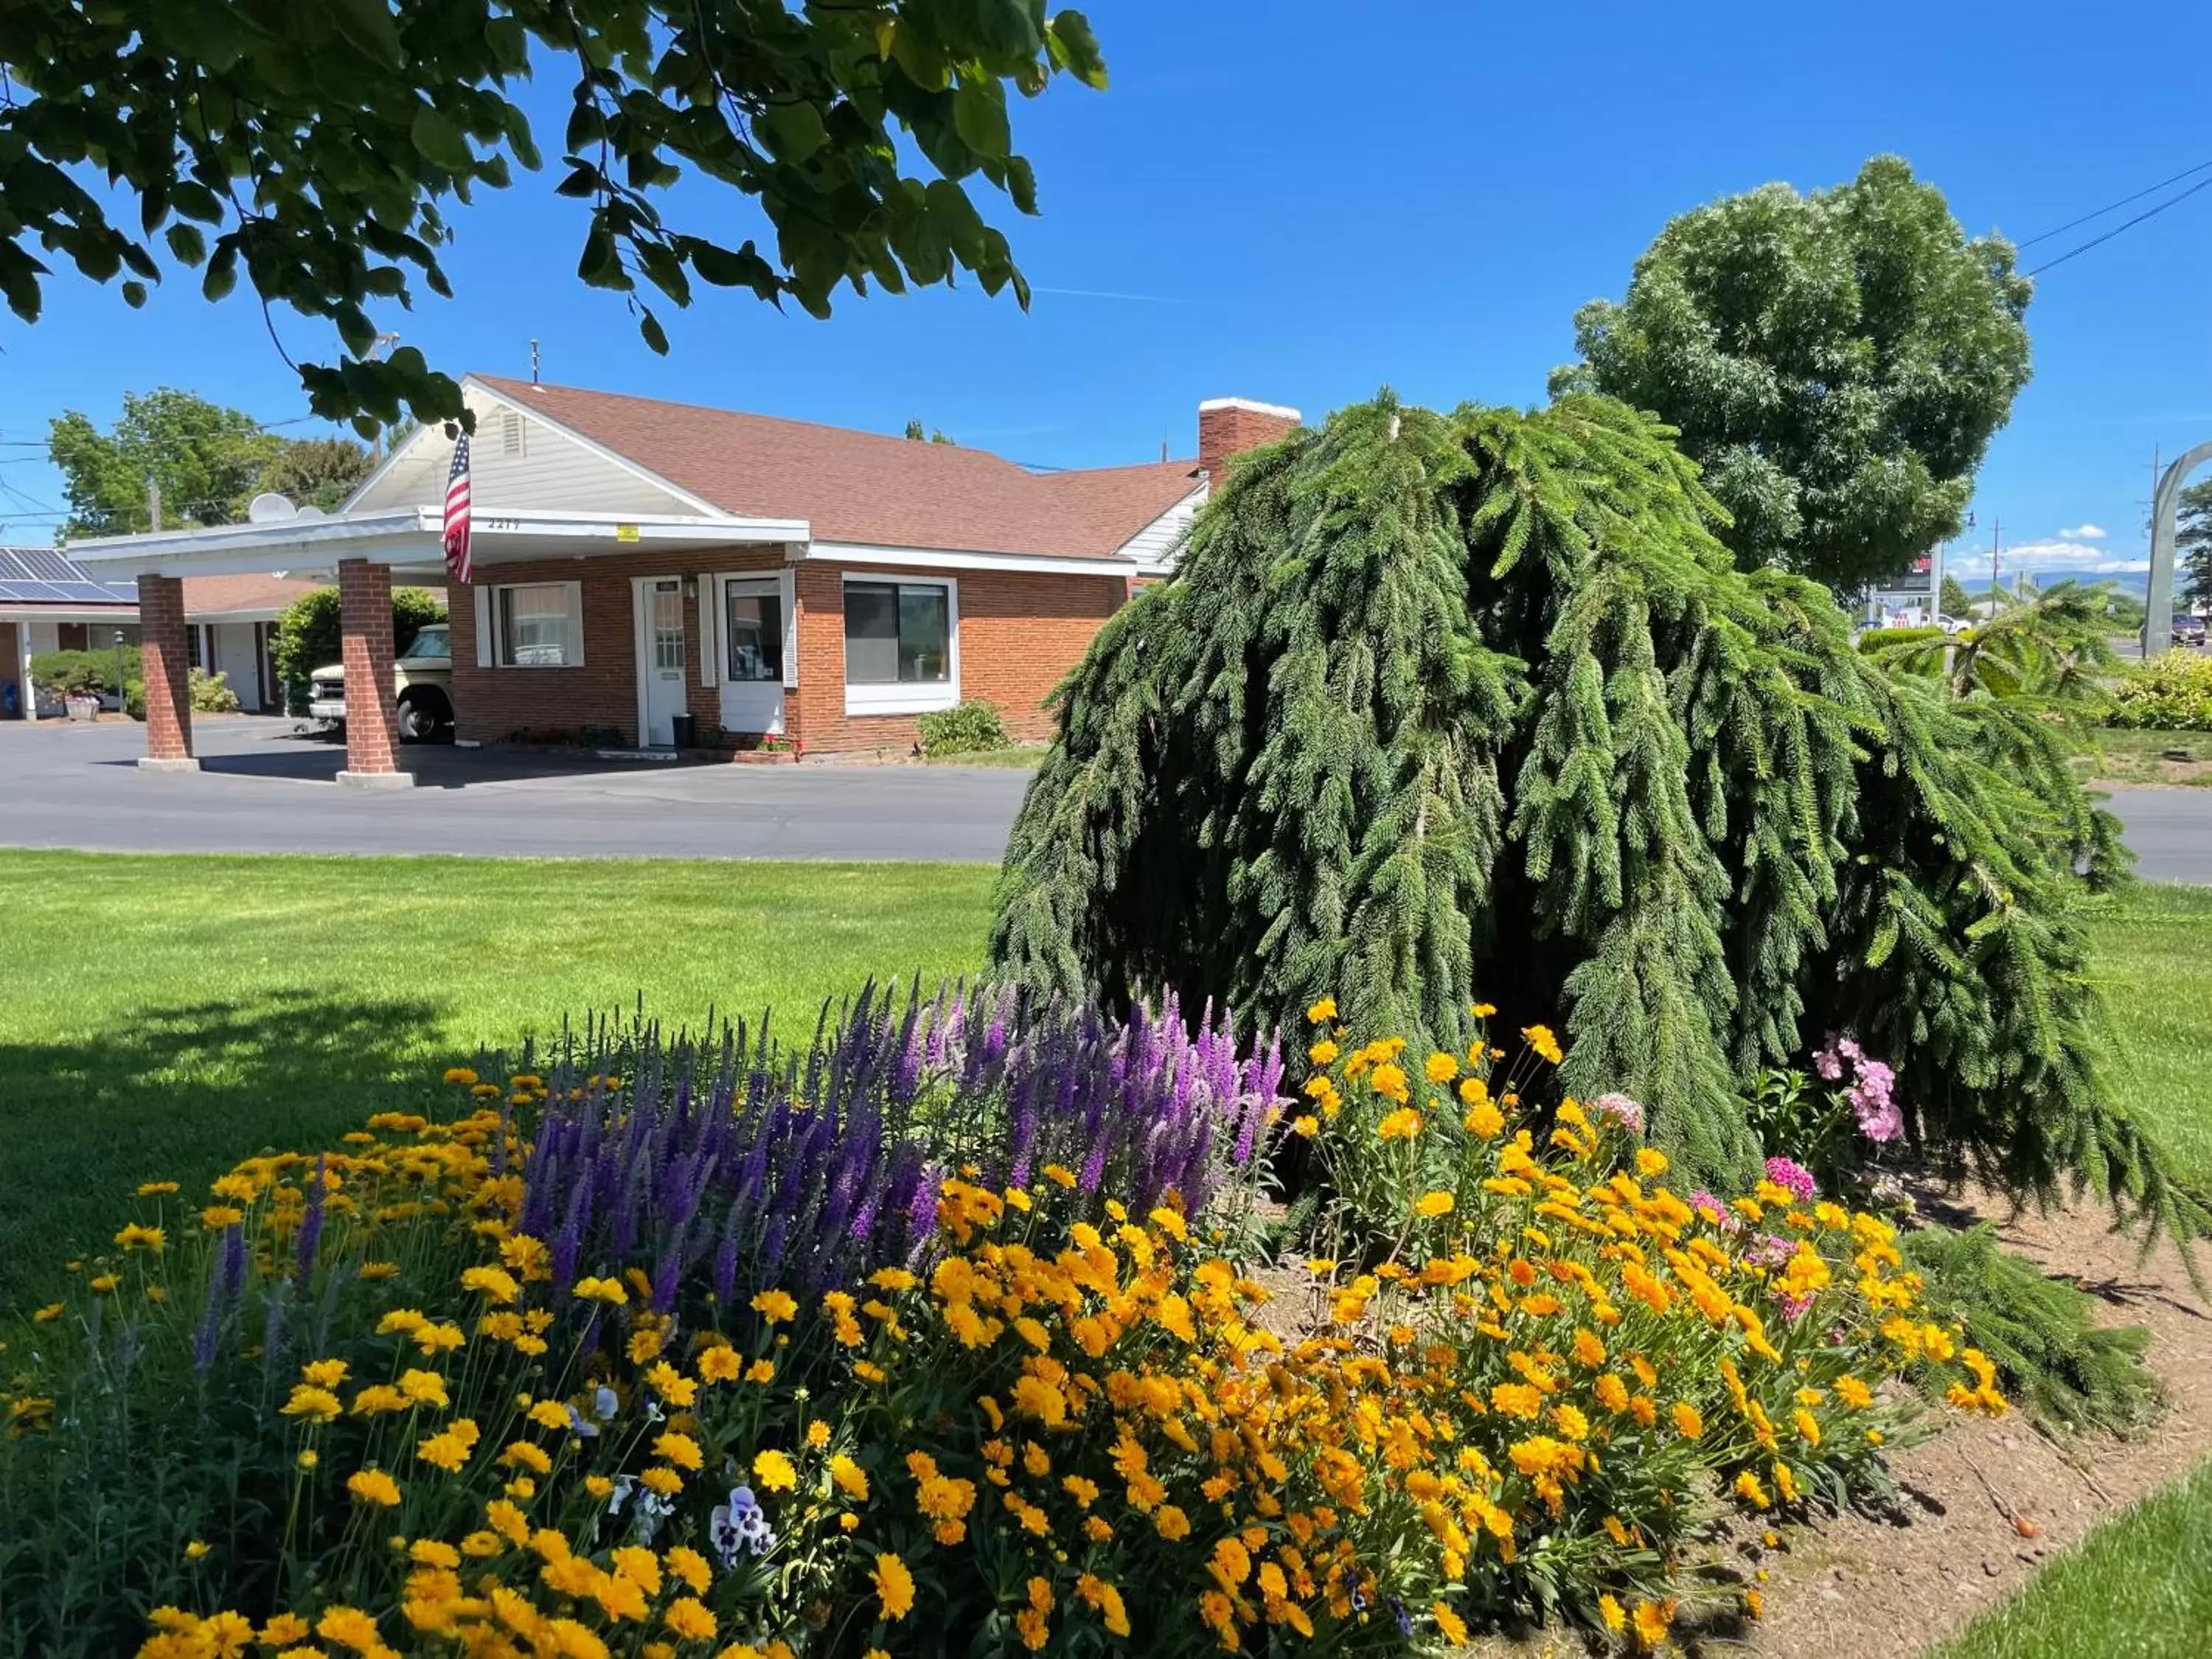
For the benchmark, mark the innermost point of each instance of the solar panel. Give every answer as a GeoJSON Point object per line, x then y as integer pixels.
{"type": "Point", "coordinates": [44, 565]}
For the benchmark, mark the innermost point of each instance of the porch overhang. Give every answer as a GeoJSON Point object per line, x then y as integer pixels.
{"type": "Point", "coordinates": [409, 541]}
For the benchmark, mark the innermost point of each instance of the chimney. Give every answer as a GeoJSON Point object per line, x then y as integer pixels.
{"type": "Point", "coordinates": [1229, 426]}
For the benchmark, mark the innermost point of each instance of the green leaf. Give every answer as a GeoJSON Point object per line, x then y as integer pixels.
{"type": "Point", "coordinates": [509, 44]}
{"type": "Point", "coordinates": [368, 24]}
{"type": "Point", "coordinates": [978, 114]}
{"type": "Point", "coordinates": [1075, 48]}
{"type": "Point", "coordinates": [793, 132]}
{"type": "Point", "coordinates": [187, 244]}
{"type": "Point", "coordinates": [440, 141]}
{"type": "Point", "coordinates": [222, 269]}
{"type": "Point", "coordinates": [649, 325]}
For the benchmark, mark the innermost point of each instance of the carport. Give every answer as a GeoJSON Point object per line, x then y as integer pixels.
{"type": "Point", "coordinates": [365, 552]}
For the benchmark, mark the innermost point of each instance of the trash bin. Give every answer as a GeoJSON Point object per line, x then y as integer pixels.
{"type": "Point", "coordinates": [685, 731]}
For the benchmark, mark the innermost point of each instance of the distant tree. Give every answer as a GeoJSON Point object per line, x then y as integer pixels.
{"type": "Point", "coordinates": [208, 461]}
{"type": "Point", "coordinates": [1836, 363]}
{"type": "Point", "coordinates": [316, 149]}
{"type": "Point", "coordinates": [913, 432]}
{"type": "Point", "coordinates": [2192, 548]}
{"type": "Point", "coordinates": [1954, 601]}
{"type": "Point", "coordinates": [317, 472]}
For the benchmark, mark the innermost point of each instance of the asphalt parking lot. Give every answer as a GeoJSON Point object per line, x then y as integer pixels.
{"type": "Point", "coordinates": [266, 788]}
{"type": "Point", "coordinates": [263, 788]}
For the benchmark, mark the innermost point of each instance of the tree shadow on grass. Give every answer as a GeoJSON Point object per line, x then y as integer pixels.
{"type": "Point", "coordinates": [181, 1093]}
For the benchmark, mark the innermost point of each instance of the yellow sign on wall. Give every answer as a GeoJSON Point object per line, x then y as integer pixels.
{"type": "Point", "coordinates": [625, 532]}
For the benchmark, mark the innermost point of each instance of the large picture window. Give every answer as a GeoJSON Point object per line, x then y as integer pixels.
{"type": "Point", "coordinates": [753, 630]}
{"type": "Point", "coordinates": [898, 633]}
{"type": "Point", "coordinates": [538, 626]}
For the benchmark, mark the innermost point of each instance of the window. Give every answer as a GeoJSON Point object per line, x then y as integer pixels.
{"type": "Point", "coordinates": [898, 634]}
{"type": "Point", "coordinates": [434, 643]}
{"type": "Point", "coordinates": [539, 626]}
{"type": "Point", "coordinates": [753, 630]}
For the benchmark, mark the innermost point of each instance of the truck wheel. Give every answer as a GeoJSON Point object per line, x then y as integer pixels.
{"type": "Point", "coordinates": [422, 716]}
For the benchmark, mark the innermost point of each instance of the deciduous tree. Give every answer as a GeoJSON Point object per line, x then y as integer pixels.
{"type": "Point", "coordinates": [1836, 363]}
{"type": "Point", "coordinates": [317, 150]}
{"type": "Point", "coordinates": [207, 460]}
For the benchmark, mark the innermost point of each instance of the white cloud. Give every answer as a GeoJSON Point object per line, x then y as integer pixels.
{"type": "Point", "coordinates": [2082, 533]}
{"type": "Point", "coordinates": [2065, 554]}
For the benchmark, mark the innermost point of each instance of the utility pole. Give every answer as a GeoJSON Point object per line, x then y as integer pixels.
{"type": "Point", "coordinates": [1996, 536]}
{"type": "Point", "coordinates": [152, 504]}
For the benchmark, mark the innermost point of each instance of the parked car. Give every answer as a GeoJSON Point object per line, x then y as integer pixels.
{"type": "Point", "coordinates": [2189, 630]}
{"type": "Point", "coordinates": [423, 682]}
{"type": "Point", "coordinates": [1953, 624]}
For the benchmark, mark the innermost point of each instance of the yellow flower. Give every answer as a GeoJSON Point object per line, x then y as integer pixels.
{"type": "Point", "coordinates": [1652, 1618]}
{"type": "Point", "coordinates": [1306, 1126]}
{"type": "Point", "coordinates": [316, 1405]}
{"type": "Point", "coordinates": [495, 1285]}
{"type": "Point", "coordinates": [721, 1363]}
{"type": "Point", "coordinates": [661, 1478]}
{"type": "Point", "coordinates": [1449, 1625]}
{"type": "Point", "coordinates": [775, 1306]}
{"type": "Point", "coordinates": [1389, 1081]}
{"type": "Point", "coordinates": [1442, 1068]}
{"type": "Point", "coordinates": [1609, 1610]}
{"type": "Point", "coordinates": [1322, 1010]}
{"type": "Point", "coordinates": [349, 1627]}
{"type": "Point", "coordinates": [50, 1312]}
{"type": "Point", "coordinates": [852, 1480]}
{"type": "Point", "coordinates": [761, 1370]}
{"type": "Point", "coordinates": [149, 1239]}
{"type": "Point", "coordinates": [690, 1568]}
{"type": "Point", "coordinates": [461, 1075]}
{"type": "Point", "coordinates": [681, 1449]}
{"type": "Point", "coordinates": [1429, 1206]}
{"type": "Point", "coordinates": [1322, 1052]}
{"type": "Point", "coordinates": [373, 1486]}
{"type": "Point", "coordinates": [1651, 1161]}
{"type": "Point", "coordinates": [689, 1618]}
{"type": "Point", "coordinates": [195, 1551]}
{"type": "Point", "coordinates": [216, 1217]}
{"type": "Point", "coordinates": [1402, 1124]}
{"type": "Point", "coordinates": [1171, 1523]}
{"type": "Point", "coordinates": [156, 1188]}
{"type": "Point", "coordinates": [818, 1434]}
{"type": "Point", "coordinates": [775, 1471]}
{"type": "Point", "coordinates": [1539, 1038]}
{"type": "Point", "coordinates": [608, 1291]}
{"type": "Point", "coordinates": [1688, 1422]}
{"type": "Point", "coordinates": [324, 1373]}
{"type": "Point", "coordinates": [893, 1586]}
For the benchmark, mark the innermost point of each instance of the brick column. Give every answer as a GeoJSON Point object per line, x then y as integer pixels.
{"type": "Point", "coordinates": [372, 716]}
{"type": "Point", "coordinates": [168, 687]}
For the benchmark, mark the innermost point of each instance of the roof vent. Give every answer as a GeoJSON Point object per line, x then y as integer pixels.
{"type": "Point", "coordinates": [510, 434]}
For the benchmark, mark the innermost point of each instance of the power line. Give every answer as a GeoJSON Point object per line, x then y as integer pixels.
{"type": "Point", "coordinates": [2149, 213]}
{"type": "Point", "coordinates": [2109, 206]}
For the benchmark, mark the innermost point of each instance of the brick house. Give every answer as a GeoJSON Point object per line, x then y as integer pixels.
{"type": "Point", "coordinates": [47, 602]}
{"type": "Point", "coordinates": [638, 561]}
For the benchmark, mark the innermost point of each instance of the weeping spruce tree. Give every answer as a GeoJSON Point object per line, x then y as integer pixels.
{"type": "Point", "coordinates": [1447, 706]}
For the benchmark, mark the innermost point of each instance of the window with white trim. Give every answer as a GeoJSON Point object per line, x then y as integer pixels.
{"type": "Point", "coordinates": [898, 634]}
{"type": "Point", "coordinates": [752, 628]}
{"type": "Point", "coordinates": [539, 625]}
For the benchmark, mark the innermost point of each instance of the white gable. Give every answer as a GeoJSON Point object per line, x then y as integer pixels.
{"type": "Point", "coordinates": [518, 460]}
{"type": "Point", "coordinates": [1158, 545]}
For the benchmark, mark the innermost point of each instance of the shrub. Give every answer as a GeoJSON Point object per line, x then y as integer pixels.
{"type": "Point", "coordinates": [2170, 693]}
{"type": "Point", "coordinates": [2071, 1373]}
{"type": "Point", "coordinates": [308, 635]}
{"type": "Point", "coordinates": [966, 728]}
{"type": "Point", "coordinates": [1051, 1420]}
{"type": "Point", "coordinates": [86, 673]}
{"type": "Point", "coordinates": [1435, 702]}
{"type": "Point", "coordinates": [211, 693]}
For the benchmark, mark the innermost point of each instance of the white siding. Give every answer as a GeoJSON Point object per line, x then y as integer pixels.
{"type": "Point", "coordinates": [1156, 547]}
{"type": "Point", "coordinates": [515, 461]}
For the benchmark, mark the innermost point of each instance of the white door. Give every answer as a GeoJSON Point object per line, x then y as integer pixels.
{"type": "Point", "coordinates": [238, 662]}
{"type": "Point", "coordinates": [658, 604]}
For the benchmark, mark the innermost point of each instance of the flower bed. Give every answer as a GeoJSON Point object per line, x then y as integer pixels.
{"type": "Point", "coordinates": [942, 1334]}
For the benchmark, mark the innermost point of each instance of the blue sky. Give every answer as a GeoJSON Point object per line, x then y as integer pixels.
{"type": "Point", "coordinates": [1301, 202]}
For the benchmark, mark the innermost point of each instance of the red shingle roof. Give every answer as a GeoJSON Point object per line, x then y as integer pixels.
{"type": "Point", "coordinates": [223, 596]}
{"type": "Point", "coordinates": [861, 486]}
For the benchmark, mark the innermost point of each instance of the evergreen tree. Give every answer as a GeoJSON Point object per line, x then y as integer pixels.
{"type": "Point", "coordinates": [1437, 707]}
{"type": "Point", "coordinates": [2192, 545]}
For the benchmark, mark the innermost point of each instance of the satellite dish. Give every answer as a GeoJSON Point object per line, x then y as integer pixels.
{"type": "Point", "coordinates": [305, 514]}
{"type": "Point", "coordinates": [269, 508]}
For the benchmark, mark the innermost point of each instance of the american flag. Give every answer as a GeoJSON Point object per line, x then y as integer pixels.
{"type": "Point", "coordinates": [457, 512]}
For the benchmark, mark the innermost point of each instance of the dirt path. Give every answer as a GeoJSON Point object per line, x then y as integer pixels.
{"type": "Point", "coordinates": [1883, 1591]}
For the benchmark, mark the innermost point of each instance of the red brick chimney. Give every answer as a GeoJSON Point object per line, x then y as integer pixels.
{"type": "Point", "coordinates": [1229, 426]}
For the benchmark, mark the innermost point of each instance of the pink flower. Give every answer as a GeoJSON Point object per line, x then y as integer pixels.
{"type": "Point", "coordinates": [1788, 1172]}
{"type": "Point", "coordinates": [1628, 1113]}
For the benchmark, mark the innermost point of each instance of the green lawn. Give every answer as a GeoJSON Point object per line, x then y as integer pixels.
{"type": "Point", "coordinates": [2139, 1587]}
{"type": "Point", "coordinates": [162, 1017]}
{"type": "Point", "coordinates": [2152, 955]}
